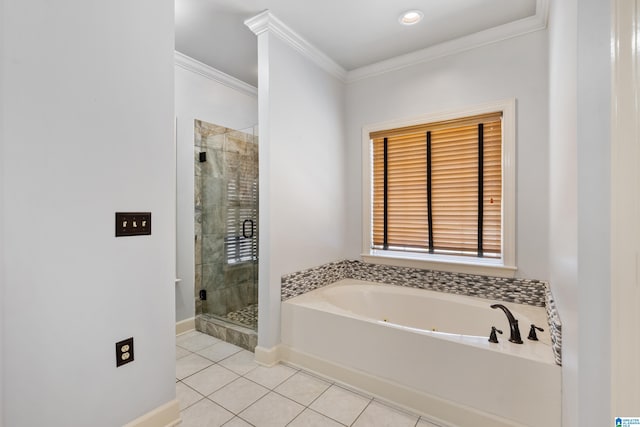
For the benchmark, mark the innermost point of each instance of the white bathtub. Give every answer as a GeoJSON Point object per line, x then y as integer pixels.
{"type": "Point", "coordinates": [427, 351]}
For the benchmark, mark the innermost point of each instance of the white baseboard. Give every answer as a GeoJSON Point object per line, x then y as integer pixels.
{"type": "Point", "coordinates": [185, 325]}
{"type": "Point", "coordinates": [267, 356]}
{"type": "Point", "coordinates": [441, 411]}
{"type": "Point", "coordinates": [167, 415]}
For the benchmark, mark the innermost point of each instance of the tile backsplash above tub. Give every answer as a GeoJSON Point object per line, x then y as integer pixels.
{"type": "Point", "coordinates": [520, 291]}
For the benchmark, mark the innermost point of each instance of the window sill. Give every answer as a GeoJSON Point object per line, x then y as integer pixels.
{"type": "Point", "coordinates": [453, 264]}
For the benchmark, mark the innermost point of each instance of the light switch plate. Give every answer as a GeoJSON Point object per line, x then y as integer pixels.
{"type": "Point", "coordinates": [133, 224]}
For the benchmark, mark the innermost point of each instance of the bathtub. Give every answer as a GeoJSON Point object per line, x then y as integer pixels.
{"type": "Point", "coordinates": [427, 351]}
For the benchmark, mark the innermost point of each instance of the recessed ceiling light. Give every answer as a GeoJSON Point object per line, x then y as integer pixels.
{"type": "Point", "coordinates": [411, 17]}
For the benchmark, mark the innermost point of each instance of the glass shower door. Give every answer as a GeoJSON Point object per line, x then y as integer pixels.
{"type": "Point", "coordinates": [228, 187]}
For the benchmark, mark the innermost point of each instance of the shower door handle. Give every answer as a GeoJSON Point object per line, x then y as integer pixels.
{"type": "Point", "coordinates": [244, 228]}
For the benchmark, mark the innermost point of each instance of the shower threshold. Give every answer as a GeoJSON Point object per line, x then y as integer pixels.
{"type": "Point", "coordinates": [227, 330]}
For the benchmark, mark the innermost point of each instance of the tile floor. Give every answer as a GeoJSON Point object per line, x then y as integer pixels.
{"type": "Point", "coordinates": [219, 384]}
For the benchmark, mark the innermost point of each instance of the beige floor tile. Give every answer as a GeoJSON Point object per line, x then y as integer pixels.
{"type": "Point", "coordinates": [237, 422]}
{"type": "Point", "coordinates": [272, 410]}
{"type": "Point", "coordinates": [205, 413]}
{"type": "Point", "coordinates": [186, 336]}
{"type": "Point", "coordinates": [229, 393]}
{"type": "Point", "coordinates": [181, 352]}
{"type": "Point", "coordinates": [426, 423]}
{"type": "Point", "coordinates": [191, 364]}
{"type": "Point", "coordinates": [380, 415]}
{"type": "Point", "coordinates": [186, 395]}
{"type": "Point", "coordinates": [211, 379]}
{"type": "Point", "coordinates": [340, 404]}
{"type": "Point", "coordinates": [271, 376]}
{"type": "Point", "coordinates": [196, 342]}
{"type": "Point", "coordinates": [238, 395]}
{"type": "Point", "coordinates": [219, 351]}
{"type": "Point", "coordinates": [309, 418]}
{"type": "Point", "coordinates": [241, 362]}
{"type": "Point", "coordinates": [303, 388]}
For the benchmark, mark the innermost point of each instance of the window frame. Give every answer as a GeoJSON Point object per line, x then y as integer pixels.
{"type": "Point", "coordinates": [502, 267]}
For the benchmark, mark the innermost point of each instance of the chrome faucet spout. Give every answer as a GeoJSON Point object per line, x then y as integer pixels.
{"type": "Point", "coordinates": [513, 324]}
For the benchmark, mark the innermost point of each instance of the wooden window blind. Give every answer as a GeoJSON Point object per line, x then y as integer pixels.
{"type": "Point", "coordinates": [443, 177]}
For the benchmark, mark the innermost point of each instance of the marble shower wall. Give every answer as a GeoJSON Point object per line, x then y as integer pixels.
{"type": "Point", "coordinates": [226, 194]}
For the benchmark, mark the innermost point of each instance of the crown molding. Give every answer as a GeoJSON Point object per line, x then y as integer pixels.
{"type": "Point", "coordinates": [266, 21]}
{"type": "Point", "coordinates": [183, 61]}
{"type": "Point", "coordinates": [492, 35]}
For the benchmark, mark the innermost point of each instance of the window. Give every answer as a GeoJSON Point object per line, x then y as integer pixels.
{"type": "Point", "coordinates": [441, 190]}
{"type": "Point", "coordinates": [241, 238]}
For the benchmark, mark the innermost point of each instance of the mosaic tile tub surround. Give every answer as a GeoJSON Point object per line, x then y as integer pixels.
{"type": "Point", "coordinates": [520, 291]}
{"type": "Point", "coordinates": [555, 326]}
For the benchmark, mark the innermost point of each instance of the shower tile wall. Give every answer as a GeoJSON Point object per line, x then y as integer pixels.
{"type": "Point", "coordinates": [225, 185]}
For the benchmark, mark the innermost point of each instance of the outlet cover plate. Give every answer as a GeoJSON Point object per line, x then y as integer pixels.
{"type": "Point", "coordinates": [133, 224]}
{"type": "Point", "coordinates": [124, 352]}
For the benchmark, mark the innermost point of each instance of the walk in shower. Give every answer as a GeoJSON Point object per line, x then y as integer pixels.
{"type": "Point", "coordinates": [226, 227]}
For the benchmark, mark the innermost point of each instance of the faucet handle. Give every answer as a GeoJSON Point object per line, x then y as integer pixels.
{"type": "Point", "coordinates": [532, 332]}
{"type": "Point", "coordinates": [493, 337]}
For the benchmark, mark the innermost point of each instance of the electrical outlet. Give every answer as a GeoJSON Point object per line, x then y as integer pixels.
{"type": "Point", "coordinates": [133, 223]}
{"type": "Point", "coordinates": [124, 352]}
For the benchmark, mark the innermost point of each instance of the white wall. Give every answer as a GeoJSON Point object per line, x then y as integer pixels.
{"type": "Point", "coordinates": [203, 98]}
{"type": "Point", "coordinates": [563, 185]}
{"type": "Point", "coordinates": [87, 95]}
{"type": "Point", "coordinates": [580, 195]}
{"type": "Point", "coordinates": [302, 179]}
{"type": "Point", "coordinates": [2, 237]}
{"type": "Point", "coordinates": [512, 68]}
{"type": "Point", "coordinates": [625, 210]}
{"type": "Point", "coordinates": [594, 207]}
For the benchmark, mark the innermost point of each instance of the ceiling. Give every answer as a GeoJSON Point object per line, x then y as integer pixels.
{"type": "Point", "coordinates": [354, 33]}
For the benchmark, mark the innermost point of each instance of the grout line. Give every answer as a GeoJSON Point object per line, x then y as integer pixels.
{"type": "Point", "coordinates": [200, 370]}
{"type": "Point", "coordinates": [226, 409]}
{"type": "Point", "coordinates": [326, 416]}
{"type": "Point", "coordinates": [318, 397]}
{"type": "Point", "coordinates": [294, 418]}
{"type": "Point", "coordinates": [268, 388]}
{"type": "Point", "coordinates": [361, 412]}
{"type": "Point", "coordinates": [231, 412]}
{"type": "Point", "coordinates": [236, 416]}
{"type": "Point", "coordinates": [201, 396]}
{"type": "Point", "coordinates": [216, 361]}
{"type": "Point", "coordinates": [301, 404]}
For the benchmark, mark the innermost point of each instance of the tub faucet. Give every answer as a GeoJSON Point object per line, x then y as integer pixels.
{"type": "Point", "coordinates": [513, 324]}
